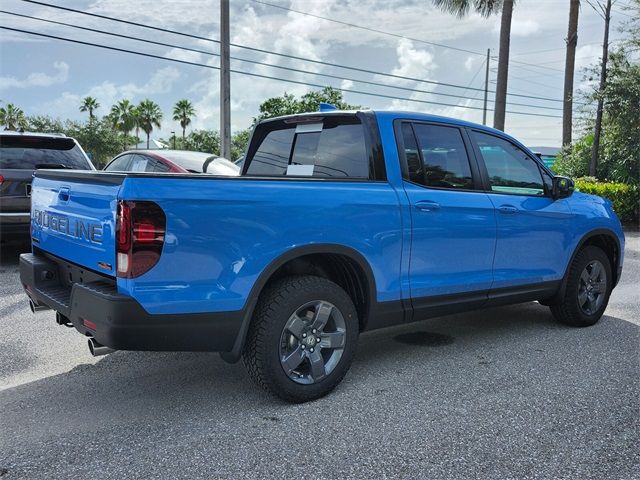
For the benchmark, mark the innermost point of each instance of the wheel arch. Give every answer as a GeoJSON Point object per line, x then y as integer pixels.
{"type": "Point", "coordinates": [353, 270]}
{"type": "Point", "coordinates": [606, 240]}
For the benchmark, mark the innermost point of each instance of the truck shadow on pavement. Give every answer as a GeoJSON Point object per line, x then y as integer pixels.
{"type": "Point", "coordinates": [472, 349]}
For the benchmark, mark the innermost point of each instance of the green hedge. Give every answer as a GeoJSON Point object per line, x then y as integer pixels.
{"type": "Point", "coordinates": [625, 198]}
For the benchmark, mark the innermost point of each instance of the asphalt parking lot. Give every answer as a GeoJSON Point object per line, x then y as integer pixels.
{"type": "Point", "coordinates": [499, 393]}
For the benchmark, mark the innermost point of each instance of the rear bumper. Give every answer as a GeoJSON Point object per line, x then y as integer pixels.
{"type": "Point", "coordinates": [120, 322]}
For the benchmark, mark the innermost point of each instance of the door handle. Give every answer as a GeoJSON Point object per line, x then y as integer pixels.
{"type": "Point", "coordinates": [427, 206]}
{"type": "Point", "coordinates": [508, 209]}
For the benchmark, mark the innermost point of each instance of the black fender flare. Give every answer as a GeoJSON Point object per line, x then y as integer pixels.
{"type": "Point", "coordinates": [266, 274]}
{"type": "Point", "coordinates": [585, 238]}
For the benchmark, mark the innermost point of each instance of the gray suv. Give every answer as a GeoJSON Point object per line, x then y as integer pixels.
{"type": "Point", "coordinates": [20, 155]}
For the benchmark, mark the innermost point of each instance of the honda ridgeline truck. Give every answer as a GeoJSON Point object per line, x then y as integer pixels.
{"type": "Point", "coordinates": [341, 222]}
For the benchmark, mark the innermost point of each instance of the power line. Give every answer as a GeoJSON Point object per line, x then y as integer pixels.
{"type": "Point", "coordinates": [326, 75]}
{"type": "Point", "coordinates": [536, 65]}
{"type": "Point", "coordinates": [369, 29]}
{"type": "Point", "coordinates": [268, 52]}
{"type": "Point", "coordinates": [113, 34]}
{"type": "Point", "coordinates": [240, 72]}
{"type": "Point", "coordinates": [475, 75]}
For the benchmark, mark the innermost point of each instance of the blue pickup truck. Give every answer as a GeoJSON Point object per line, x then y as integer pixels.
{"type": "Point", "coordinates": [341, 222]}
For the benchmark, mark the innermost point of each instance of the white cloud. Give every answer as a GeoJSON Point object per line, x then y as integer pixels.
{"type": "Point", "coordinates": [520, 27]}
{"type": "Point", "coordinates": [161, 82]}
{"type": "Point", "coordinates": [524, 27]}
{"type": "Point", "coordinates": [470, 62]}
{"type": "Point", "coordinates": [588, 55]}
{"type": "Point", "coordinates": [38, 79]}
{"type": "Point", "coordinates": [108, 93]}
{"type": "Point", "coordinates": [186, 55]}
{"type": "Point", "coordinates": [346, 84]}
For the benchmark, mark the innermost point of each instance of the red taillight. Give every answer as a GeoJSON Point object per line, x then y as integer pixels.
{"type": "Point", "coordinates": [140, 230]}
{"type": "Point", "coordinates": [1, 179]}
{"type": "Point", "coordinates": [123, 227]}
{"type": "Point", "coordinates": [89, 324]}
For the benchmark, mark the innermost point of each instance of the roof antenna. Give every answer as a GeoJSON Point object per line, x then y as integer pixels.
{"type": "Point", "coordinates": [327, 107]}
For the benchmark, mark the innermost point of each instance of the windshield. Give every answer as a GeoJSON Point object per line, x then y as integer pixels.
{"type": "Point", "coordinates": [25, 152]}
{"type": "Point", "coordinates": [192, 161]}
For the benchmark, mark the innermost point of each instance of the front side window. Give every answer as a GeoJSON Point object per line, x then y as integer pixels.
{"type": "Point", "coordinates": [328, 147]}
{"type": "Point", "coordinates": [510, 169]}
{"type": "Point", "coordinates": [439, 159]}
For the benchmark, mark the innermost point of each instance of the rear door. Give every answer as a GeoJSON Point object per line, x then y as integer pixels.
{"type": "Point", "coordinates": [73, 217]}
{"type": "Point", "coordinates": [532, 226]}
{"type": "Point", "coordinates": [453, 220]}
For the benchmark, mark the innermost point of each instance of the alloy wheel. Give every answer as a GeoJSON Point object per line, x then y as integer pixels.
{"type": "Point", "coordinates": [312, 342]}
{"type": "Point", "coordinates": [592, 288]}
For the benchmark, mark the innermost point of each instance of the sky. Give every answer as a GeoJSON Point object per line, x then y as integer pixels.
{"type": "Point", "coordinates": [46, 76]}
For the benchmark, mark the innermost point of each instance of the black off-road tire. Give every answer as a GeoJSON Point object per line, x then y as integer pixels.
{"type": "Point", "coordinates": [261, 353]}
{"type": "Point", "coordinates": [567, 310]}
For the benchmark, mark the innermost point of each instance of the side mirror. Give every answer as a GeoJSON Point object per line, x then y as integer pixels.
{"type": "Point", "coordinates": [563, 187]}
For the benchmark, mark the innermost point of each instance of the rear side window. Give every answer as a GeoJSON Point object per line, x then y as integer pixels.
{"type": "Point", "coordinates": [139, 164]}
{"type": "Point", "coordinates": [439, 159]}
{"type": "Point", "coordinates": [509, 168]}
{"type": "Point", "coordinates": [25, 152]}
{"type": "Point", "coordinates": [326, 147]}
{"type": "Point", "coordinates": [157, 166]}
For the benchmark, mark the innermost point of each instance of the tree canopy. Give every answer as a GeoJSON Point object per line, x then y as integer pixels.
{"type": "Point", "coordinates": [288, 104]}
{"type": "Point", "coordinates": [619, 146]}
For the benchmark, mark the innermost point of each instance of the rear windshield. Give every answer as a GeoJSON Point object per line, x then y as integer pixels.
{"type": "Point", "coordinates": [24, 152]}
{"type": "Point", "coordinates": [333, 146]}
{"type": "Point", "coordinates": [192, 161]}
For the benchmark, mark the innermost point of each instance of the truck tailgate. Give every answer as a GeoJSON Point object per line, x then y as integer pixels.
{"type": "Point", "coordinates": [73, 217]}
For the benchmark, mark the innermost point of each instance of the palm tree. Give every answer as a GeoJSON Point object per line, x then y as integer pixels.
{"type": "Point", "coordinates": [487, 8]}
{"type": "Point", "coordinates": [89, 104]}
{"type": "Point", "coordinates": [136, 121]}
{"type": "Point", "coordinates": [150, 116]}
{"type": "Point", "coordinates": [12, 117]}
{"type": "Point", "coordinates": [182, 112]}
{"type": "Point", "coordinates": [569, 67]}
{"type": "Point", "coordinates": [122, 118]}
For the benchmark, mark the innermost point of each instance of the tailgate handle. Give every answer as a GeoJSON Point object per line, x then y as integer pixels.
{"type": "Point", "coordinates": [63, 194]}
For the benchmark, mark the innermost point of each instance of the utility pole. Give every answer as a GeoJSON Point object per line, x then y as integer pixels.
{"type": "Point", "coordinates": [225, 82]}
{"type": "Point", "coordinates": [486, 88]}
{"type": "Point", "coordinates": [569, 68]}
{"type": "Point", "coordinates": [603, 84]}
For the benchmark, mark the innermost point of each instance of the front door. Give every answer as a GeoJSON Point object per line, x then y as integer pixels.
{"type": "Point", "coordinates": [533, 228]}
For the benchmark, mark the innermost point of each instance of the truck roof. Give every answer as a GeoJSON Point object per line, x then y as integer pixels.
{"type": "Point", "coordinates": [406, 115]}
{"type": "Point", "coordinates": [428, 117]}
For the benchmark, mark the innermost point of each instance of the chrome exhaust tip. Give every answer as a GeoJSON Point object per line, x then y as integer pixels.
{"type": "Point", "coordinates": [62, 320]}
{"type": "Point", "coordinates": [37, 308]}
{"type": "Point", "coordinates": [97, 350]}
